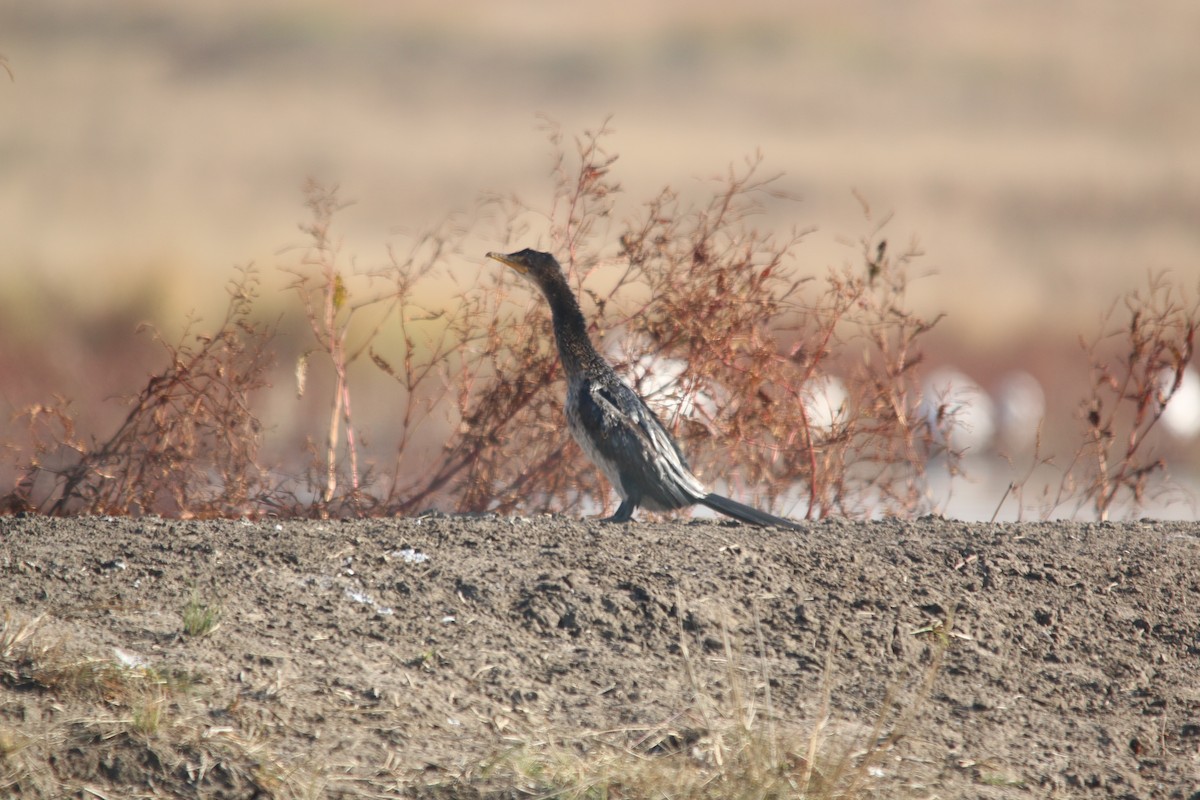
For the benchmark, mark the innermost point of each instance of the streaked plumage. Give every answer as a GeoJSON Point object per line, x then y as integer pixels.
{"type": "Point", "coordinates": [613, 426]}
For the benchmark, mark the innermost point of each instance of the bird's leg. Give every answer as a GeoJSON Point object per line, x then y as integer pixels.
{"type": "Point", "coordinates": [624, 512]}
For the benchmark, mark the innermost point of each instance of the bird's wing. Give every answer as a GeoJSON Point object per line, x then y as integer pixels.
{"type": "Point", "coordinates": [626, 433]}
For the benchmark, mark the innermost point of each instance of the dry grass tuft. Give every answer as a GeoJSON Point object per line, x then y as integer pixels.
{"type": "Point", "coordinates": [118, 724]}
{"type": "Point", "coordinates": [727, 743]}
{"type": "Point", "coordinates": [200, 618]}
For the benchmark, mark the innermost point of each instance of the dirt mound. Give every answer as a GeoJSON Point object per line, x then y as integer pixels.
{"type": "Point", "coordinates": [466, 656]}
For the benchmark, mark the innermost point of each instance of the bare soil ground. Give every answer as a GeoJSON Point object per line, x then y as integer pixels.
{"type": "Point", "coordinates": [449, 657]}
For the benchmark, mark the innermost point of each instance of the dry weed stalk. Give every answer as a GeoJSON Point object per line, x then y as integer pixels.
{"type": "Point", "coordinates": [881, 465]}
{"type": "Point", "coordinates": [338, 318]}
{"type": "Point", "coordinates": [324, 294]}
{"type": "Point", "coordinates": [324, 297]}
{"type": "Point", "coordinates": [1129, 390]}
{"type": "Point", "coordinates": [188, 446]}
{"type": "Point", "coordinates": [1020, 484]}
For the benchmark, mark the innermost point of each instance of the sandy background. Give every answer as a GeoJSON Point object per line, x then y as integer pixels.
{"type": "Point", "coordinates": [1042, 152]}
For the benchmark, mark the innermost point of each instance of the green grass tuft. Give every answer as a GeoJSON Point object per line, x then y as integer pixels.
{"type": "Point", "coordinates": [200, 618]}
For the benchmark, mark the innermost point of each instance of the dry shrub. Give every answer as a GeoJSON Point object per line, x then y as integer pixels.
{"type": "Point", "coordinates": [189, 444]}
{"type": "Point", "coordinates": [1136, 367]}
{"type": "Point", "coordinates": [704, 311]}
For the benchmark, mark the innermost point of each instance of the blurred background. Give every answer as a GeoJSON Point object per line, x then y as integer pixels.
{"type": "Point", "coordinates": [1044, 154]}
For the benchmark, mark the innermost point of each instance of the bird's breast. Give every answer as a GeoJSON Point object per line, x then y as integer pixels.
{"type": "Point", "coordinates": [586, 437]}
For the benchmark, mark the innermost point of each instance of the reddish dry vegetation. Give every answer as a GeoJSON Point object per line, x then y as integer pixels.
{"type": "Point", "coordinates": [720, 324]}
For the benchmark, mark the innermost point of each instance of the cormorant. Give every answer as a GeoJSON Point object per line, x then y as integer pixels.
{"type": "Point", "coordinates": [615, 428]}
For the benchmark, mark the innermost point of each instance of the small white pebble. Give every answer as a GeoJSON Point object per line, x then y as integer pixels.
{"type": "Point", "coordinates": [410, 556]}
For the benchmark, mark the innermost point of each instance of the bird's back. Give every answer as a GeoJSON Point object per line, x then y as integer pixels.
{"type": "Point", "coordinates": [622, 436]}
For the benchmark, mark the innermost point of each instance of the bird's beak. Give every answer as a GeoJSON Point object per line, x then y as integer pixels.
{"type": "Point", "coordinates": [519, 266]}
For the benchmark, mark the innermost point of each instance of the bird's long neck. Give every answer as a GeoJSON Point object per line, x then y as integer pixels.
{"type": "Point", "coordinates": [570, 329]}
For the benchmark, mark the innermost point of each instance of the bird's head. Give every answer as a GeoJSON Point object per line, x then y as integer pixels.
{"type": "Point", "coordinates": [541, 268]}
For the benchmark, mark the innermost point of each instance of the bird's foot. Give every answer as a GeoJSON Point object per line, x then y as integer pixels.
{"type": "Point", "coordinates": [624, 513]}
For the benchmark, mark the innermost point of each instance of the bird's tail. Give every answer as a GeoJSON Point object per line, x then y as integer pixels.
{"type": "Point", "coordinates": [744, 513]}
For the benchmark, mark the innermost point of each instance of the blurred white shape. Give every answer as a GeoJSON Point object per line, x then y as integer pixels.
{"type": "Point", "coordinates": [359, 597]}
{"type": "Point", "coordinates": [662, 382]}
{"type": "Point", "coordinates": [129, 660]}
{"type": "Point", "coordinates": [1020, 409]}
{"type": "Point", "coordinates": [409, 556]}
{"type": "Point", "coordinates": [959, 412]}
{"type": "Point", "coordinates": [1181, 417]}
{"type": "Point", "coordinates": [826, 403]}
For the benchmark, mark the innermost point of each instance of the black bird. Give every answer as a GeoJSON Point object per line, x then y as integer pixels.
{"type": "Point", "coordinates": [615, 428]}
